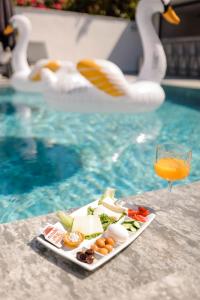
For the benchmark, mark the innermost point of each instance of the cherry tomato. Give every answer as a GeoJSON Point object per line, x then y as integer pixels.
{"type": "Point", "coordinates": [132, 212]}
{"type": "Point", "coordinates": [139, 218]}
{"type": "Point", "coordinates": [143, 211]}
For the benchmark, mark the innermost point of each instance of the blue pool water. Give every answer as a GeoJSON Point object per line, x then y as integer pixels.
{"type": "Point", "coordinates": [52, 160]}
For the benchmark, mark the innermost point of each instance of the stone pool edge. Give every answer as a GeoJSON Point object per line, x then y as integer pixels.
{"type": "Point", "coordinates": [51, 217]}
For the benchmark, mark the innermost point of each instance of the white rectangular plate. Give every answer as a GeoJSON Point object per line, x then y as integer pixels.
{"type": "Point", "coordinates": [70, 254]}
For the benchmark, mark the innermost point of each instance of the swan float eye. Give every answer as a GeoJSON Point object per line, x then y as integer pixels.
{"type": "Point", "coordinates": [169, 14]}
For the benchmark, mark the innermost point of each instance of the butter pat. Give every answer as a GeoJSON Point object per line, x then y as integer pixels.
{"type": "Point", "coordinates": [117, 232]}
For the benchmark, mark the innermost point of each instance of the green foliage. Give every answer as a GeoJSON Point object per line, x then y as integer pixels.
{"type": "Point", "coordinates": [115, 8]}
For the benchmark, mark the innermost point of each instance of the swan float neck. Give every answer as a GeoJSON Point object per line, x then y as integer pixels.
{"type": "Point", "coordinates": [19, 56]}
{"type": "Point", "coordinates": [154, 63]}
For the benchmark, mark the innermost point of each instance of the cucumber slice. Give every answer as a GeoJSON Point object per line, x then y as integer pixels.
{"type": "Point", "coordinates": [127, 226]}
{"type": "Point", "coordinates": [128, 221]}
{"type": "Point", "coordinates": [133, 229]}
{"type": "Point", "coordinates": [136, 224]}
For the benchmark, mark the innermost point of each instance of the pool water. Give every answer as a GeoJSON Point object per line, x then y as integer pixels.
{"type": "Point", "coordinates": [53, 160]}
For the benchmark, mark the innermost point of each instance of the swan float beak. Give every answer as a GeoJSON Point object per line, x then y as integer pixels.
{"type": "Point", "coordinates": [8, 30]}
{"type": "Point", "coordinates": [171, 16]}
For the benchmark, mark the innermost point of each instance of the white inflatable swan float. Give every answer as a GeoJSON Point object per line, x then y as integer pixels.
{"type": "Point", "coordinates": [109, 90]}
{"type": "Point", "coordinates": [26, 78]}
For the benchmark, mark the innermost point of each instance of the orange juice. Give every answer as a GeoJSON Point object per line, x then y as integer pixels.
{"type": "Point", "coordinates": [172, 169]}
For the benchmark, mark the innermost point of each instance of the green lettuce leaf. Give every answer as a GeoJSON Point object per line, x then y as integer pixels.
{"type": "Point", "coordinates": [92, 236]}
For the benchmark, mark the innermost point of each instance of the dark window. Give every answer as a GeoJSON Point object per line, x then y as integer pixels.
{"type": "Point", "coordinates": [182, 42]}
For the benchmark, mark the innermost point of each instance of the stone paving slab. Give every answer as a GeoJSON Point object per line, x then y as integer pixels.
{"type": "Point", "coordinates": [163, 263]}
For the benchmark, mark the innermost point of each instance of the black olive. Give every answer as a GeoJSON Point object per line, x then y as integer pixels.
{"type": "Point", "coordinates": [89, 252]}
{"type": "Point", "coordinates": [78, 255]}
{"type": "Point", "coordinates": [89, 259]}
{"type": "Point", "coordinates": [83, 257]}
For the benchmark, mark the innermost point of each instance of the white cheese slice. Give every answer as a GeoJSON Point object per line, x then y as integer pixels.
{"type": "Point", "coordinates": [101, 209]}
{"type": "Point", "coordinates": [110, 204]}
{"type": "Point", "coordinates": [87, 225]}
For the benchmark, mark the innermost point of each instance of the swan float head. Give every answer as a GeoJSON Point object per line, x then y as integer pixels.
{"type": "Point", "coordinates": [163, 7]}
{"type": "Point", "coordinates": [169, 14]}
{"type": "Point", "coordinates": [22, 25]}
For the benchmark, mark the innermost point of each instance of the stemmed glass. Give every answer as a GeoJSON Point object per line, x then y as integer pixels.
{"type": "Point", "coordinates": [172, 162]}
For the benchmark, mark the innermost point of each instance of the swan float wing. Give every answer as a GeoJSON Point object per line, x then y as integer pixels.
{"type": "Point", "coordinates": [55, 66]}
{"type": "Point", "coordinates": [104, 75]}
{"type": "Point", "coordinates": [52, 65]}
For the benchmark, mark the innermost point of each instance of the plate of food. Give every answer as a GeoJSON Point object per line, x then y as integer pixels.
{"type": "Point", "coordinates": [96, 232]}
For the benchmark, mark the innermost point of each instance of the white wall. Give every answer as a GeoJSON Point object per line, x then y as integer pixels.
{"type": "Point", "coordinates": [73, 36]}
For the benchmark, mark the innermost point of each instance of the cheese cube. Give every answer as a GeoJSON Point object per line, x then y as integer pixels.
{"type": "Point", "coordinates": [87, 224]}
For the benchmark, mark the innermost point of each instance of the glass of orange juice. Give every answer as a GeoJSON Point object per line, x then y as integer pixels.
{"type": "Point", "coordinates": [172, 162]}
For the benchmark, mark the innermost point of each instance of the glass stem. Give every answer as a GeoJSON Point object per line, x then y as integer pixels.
{"type": "Point", "coordinates": [169, 186]}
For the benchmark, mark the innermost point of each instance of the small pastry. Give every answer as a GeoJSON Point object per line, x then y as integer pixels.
{"type": "Point", "coordinates": [73, 239]}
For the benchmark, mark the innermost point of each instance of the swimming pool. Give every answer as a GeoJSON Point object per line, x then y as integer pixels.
{"type": "Point", "coordinates": [52, 160]}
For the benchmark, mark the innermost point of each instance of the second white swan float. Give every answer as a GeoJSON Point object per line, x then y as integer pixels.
{"type": "Point", "coordinates": [109, 90]}
{"type": "Point", "coordinates": [28, 78]}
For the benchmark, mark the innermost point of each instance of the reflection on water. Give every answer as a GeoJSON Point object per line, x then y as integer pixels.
{"type": "Point", "coordinates": [27, 163]}
{"type": "Point", "coordinates": [8, 108]}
